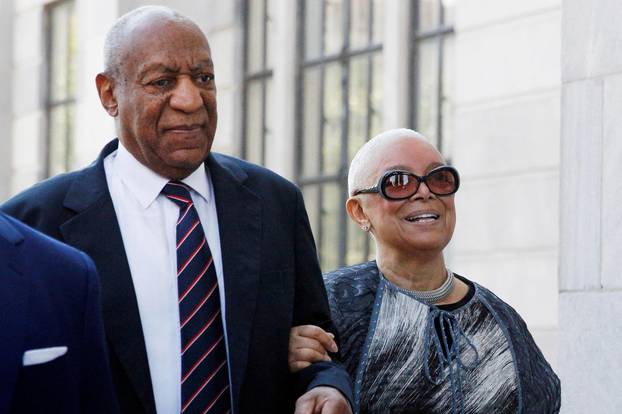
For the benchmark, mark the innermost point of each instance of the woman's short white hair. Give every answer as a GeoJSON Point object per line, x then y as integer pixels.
{"type": "Point", "coordinates": [360, 170]}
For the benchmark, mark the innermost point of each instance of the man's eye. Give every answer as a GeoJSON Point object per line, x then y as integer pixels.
{"type": "Point", "coordinates": [161, 82]}
{"type": "Point", "coordinates": [205, 78]}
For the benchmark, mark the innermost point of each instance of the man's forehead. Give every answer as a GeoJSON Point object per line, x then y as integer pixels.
{"type": "Point", "coordinates": [160, 32]}
{"type": "Point", "coordinates": [170, 65]}
{"type": "Point", "coordinates": [169, 47]}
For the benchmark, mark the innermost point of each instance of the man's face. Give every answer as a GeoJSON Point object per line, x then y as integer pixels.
{"type": "Point", "coordinates": [166, 97]}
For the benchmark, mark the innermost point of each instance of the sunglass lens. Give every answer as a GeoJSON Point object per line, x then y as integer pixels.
{"type": "Point", "coordinates": [442, 182]}
{"type": "Point", "coordinates": [400, 185]}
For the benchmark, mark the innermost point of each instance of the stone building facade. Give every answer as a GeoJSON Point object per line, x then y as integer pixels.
{"type": "Point", "coordinates": [302, 83]}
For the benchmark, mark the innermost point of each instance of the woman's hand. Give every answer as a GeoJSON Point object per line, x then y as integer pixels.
{"type": "Point", "coordinates": [309, 344]}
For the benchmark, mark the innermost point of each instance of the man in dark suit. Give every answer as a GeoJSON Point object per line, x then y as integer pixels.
{"type": "Point", "coordinates": [53, 355]}
{"type": "Point", "coordinates": [156, 203]}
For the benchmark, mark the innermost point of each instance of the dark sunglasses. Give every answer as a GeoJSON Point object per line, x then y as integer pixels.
{"type": "Point", "coordinates": [400, 185]}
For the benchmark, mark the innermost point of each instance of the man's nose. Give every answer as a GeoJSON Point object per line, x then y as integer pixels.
{"type": "Point", "coordinates": [186, 96]}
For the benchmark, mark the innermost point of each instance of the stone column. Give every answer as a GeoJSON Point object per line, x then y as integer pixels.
{"type": "Point", "coordinates": [590, 200]}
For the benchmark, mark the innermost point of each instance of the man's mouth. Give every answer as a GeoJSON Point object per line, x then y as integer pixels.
{"type": "Point", "coordinates": [422, 218]}
{"type": "Point", "coordinates": [184, 128]}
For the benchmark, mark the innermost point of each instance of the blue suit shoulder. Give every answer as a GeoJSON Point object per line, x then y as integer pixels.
{"type": "Point", "coordinates": [44, 248]}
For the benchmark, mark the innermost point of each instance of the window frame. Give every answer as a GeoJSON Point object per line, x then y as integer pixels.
{"type": "Point", "coordinates": [344, 57]}
{"type": "Point", "coordinates": [263, 75]}
{"type": "Point", "coordinates": [440, 33]}
{"type": "Point", "coordinates": [51, 104]}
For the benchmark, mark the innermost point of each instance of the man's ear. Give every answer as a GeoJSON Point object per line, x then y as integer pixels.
{"type": "Point", "coordinates": [105, 88]}
{"type": "Point", "coordinates": [357, 214]}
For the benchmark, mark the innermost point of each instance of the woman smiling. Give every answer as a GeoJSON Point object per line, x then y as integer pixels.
{"type": "Point", "coordinates": [415, 336]}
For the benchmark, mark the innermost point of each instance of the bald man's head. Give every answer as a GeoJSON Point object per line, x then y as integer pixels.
{"type": "Point", "coordinates": [362, 173]}
{"type": "Point", "coordinates": [159, 85]}
{"type": "Point", "coordinates": [121, 37]}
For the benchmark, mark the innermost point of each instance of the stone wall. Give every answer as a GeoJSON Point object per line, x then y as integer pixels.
{"type": "Point", "coordinates": [506, 145]}
{"type": "Point", "coordinates": [590, 198]}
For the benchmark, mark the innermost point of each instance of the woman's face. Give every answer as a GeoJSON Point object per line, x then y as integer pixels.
{"type": "Point", "coordinates": [423, 223]}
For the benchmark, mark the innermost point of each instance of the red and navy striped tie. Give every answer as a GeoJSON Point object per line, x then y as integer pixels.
{"type": "Point", "coordinates": [205, 375]}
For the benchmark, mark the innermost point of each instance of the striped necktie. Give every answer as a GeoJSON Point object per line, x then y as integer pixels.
{"type": "Point", "coordinates": [205, 375]}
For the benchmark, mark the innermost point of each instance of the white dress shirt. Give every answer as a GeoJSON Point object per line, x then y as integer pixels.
{"type": "Point", "coordinates": [147, 221]}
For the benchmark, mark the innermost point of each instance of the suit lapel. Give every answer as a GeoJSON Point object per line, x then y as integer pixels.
{"type": "Point", "coordinates": [95, 230]}
{"type": "Point", "coordinates": [239, 222]}
{"type": "Point", "coordinates": [14, 291]}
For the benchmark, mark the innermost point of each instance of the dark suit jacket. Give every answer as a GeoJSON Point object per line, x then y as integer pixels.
{"type": "Point", "coordinates": [272, 278]}
{"type": "Point", "coordinates": [49, 298]}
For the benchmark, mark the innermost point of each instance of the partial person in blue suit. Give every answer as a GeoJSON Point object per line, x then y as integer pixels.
{"type": "Point", "coordinates": [52, 348]}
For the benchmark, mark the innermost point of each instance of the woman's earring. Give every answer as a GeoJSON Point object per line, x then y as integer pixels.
{"type": "Point", "coordinates": [365, 227]}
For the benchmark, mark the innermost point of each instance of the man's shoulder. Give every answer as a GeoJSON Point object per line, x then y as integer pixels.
{"type": "Point", "coordinates": [245, 170]}
{"type": "Point", "coordinates": [42, 206]}
{"type": "Point", "coordinates": [34, 244]}
{"type": "Point", "coordinates": [45, 191]}
{"type": "Point", "coordinates": [50, 193]}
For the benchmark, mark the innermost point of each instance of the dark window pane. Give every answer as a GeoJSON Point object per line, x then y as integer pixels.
{"type": "Point", "coordinates": [270, 13]}
{"type": "Point", "coordinates": [429, 15]}
{"type": "Point", "coordinates": [268, 107]}
{"type": "Point", "coordinates": [312, 123]}
{"type": "Point", "coordinates": [61, 138]}
{"type": "Point", "coordinates": [448, 95]}
{"type": "Point", "coordinates": [254, 37]}
{"type": "Point", "coordinates": [258, 84]}
{"type": "Point", "coordinates": [376, 95]}
{"type": "Point", "coordinates": [358, 103]}
{"type": "Point", "coordinates": [333, 41]}
{"type": "Point", "coordinates": [333, 113]}
{"type": "Point", "coordinates": [359, 23]}
{"type": "Point", "coordinates": [254, 119]}
{"type": "Point", "coordinates": [329, 254]}
{"type": "Point", "coordinates": [378, 21]}
{"type": "Point", "coordinates": [427, 105]}
{"type": "Point", "coordinates": [61, 86]}
{"type": "Point", "coordinates": [313, 29]}
{"type": "Point", "coordinates": [311, 195]}
{"type": "Point", "coordinates": [60, 50]}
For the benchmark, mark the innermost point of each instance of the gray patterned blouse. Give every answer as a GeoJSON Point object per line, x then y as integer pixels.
{"type": "Point", "coordinates": [408, 357]}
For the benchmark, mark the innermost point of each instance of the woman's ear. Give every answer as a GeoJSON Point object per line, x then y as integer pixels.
{"type": "Point", "coordinates": [105, 88]}
{"type": "Point", "coordinates": [355, 210]}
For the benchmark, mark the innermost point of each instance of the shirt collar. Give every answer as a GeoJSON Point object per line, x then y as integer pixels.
{"type": "Point", "coordinates": [146, 184]}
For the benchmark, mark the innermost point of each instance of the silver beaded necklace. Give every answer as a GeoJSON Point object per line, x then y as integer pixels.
{"type": "Point", "coordinates": [430, 297]}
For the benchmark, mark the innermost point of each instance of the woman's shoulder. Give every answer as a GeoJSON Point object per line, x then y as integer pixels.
{"type": "Point", "coordinates": [366, 270]}
{"type": "Point", "coordinates": [352, 287]}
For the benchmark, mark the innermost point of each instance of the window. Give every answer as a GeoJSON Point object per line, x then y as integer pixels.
{"type": "Point", "coordinates": [432, 45]}
{"type": "Point", "coordinates": [257, 79]}
{"type": "Point", "coordinates": [339, 109]}
{"type": "Point", "coordinates": [61, 81]}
